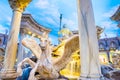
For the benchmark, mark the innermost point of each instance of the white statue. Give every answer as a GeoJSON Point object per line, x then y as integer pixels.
{"type": "Point", "coordinates": [47, 66]}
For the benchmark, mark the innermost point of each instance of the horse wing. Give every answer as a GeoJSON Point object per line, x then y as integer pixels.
{"type": "Point", "coordinates": [70, 46]}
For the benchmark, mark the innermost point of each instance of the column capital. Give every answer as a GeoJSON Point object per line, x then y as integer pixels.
{"type": "Point", "coordinates": [19, 5]}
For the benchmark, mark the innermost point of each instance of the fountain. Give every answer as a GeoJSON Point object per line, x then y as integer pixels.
{"type": "Point", "coordinates": [72, 70]}
{"type": "Point", "coordinates": [48, 67]}
{"type": "Point", "coordinates": [90, 68]}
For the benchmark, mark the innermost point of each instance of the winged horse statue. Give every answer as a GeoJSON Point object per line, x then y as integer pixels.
{"type": "Point", "coordinates": [47, 65]}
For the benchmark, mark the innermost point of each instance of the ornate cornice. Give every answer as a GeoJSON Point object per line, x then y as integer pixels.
{"type": "Point", "coordinates": [116, 15]}
{"type": "Point", "coordinates": [19, 5]}
{"type": "Point", "coordinates": [31, 26]}
{"type": "Point", "coordinates": [99, 31]}
{"type": "Point", "coordinates": [30, 19]}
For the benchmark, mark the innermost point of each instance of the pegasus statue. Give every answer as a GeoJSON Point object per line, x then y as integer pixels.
{"type": "Point", "coordinates": [49, 60]}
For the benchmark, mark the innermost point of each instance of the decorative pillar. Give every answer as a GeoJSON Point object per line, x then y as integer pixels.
{"type": "Point", "coordinates": [90, 67]}
{"type": "Point", "coordinates": [21, 51]}
{"type": "Point", "coordinates": [8, 70]}
{"type": "Point", "coordinates": [108, 56]}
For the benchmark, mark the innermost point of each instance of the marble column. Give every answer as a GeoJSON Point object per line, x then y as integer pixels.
{"type": "Point", "coordinates": [8, 71]}
{"type": "Point", "coordinates": [90, 67]}
{"type": "Point", "coordinates": [21, 51]}
{"type": "Point", "coordinates": [108, 56]}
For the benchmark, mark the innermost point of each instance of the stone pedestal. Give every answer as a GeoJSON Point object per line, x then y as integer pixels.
{"type": "Point", "coordinates": [90, 67]}
{"type": "Point", "coordinates": [8, 75]}
{"type": "Point", "coordinates": [8, 71]}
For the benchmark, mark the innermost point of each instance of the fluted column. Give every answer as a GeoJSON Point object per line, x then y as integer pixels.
{"type": "Point", "coordinates": [21, 51]}
{"type": "Point", "coordinates": [18, 7]}
{"type": "Point", "coordinates": [90, 67]}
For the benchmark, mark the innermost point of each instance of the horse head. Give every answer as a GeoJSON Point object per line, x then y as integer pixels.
{"type": "Point", "coordinates": [44, 42]}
